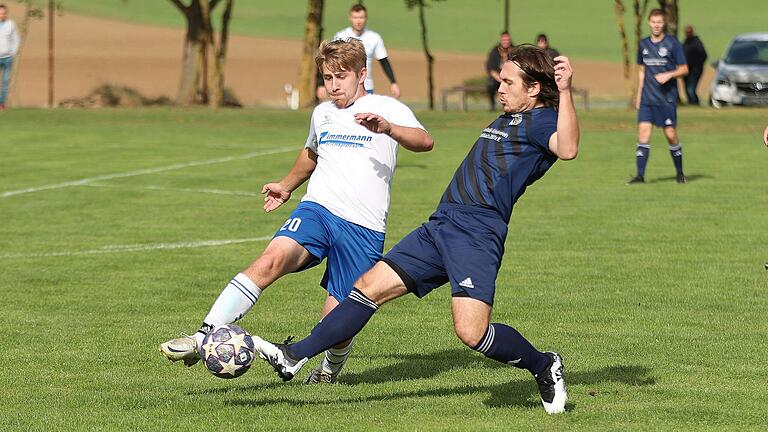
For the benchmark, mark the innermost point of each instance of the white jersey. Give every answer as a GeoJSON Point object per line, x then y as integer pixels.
{"type": "Point", "coordinates": [354, 165]}
{"type": "Point", "coordinates": [374, 48]}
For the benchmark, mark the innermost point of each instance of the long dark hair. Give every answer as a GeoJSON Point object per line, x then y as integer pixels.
{"type": "Point", "coordinates": [537, 66]}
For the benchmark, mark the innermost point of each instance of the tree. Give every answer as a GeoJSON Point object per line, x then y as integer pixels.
{"type": "Point", "coordinates": [673, 17]}
{"type": "Point", "coordinates": [421, 4]}
{"type": "Point", "coordinates": [313, 30]}
{"type": "Point", "coordinates": [202, 69]}
{"type": "Point", "coordinates": [639, 9]}
{"type": "Point", "coordinates": [619, 10]}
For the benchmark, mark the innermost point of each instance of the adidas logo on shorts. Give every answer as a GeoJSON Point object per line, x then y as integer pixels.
{"type": "Point", "coordinates": [466, 283]}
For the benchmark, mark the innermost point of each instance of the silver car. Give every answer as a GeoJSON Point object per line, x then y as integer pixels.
{"type": "Point", "coordinates": [742, 75]}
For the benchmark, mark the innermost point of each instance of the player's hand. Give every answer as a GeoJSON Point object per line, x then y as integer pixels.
{"type": "Point", "coordinates": [276, 195]}
{"type": "Point", "coordinates": [662, 77]}
{"type": "Point", "coordinates": [395, 89]}
{"type": "Point", "coordinates": [374, 123]}
{"type": "Point", "coordinates": [563, 73]}
{"type": "Point", "coordinates": [765, 136]}
{"type": "Point", "coordinates": [637, 102]}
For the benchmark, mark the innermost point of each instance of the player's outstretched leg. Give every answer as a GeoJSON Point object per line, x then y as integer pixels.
{"type": "Point", "coordinates": [235, 300]}
{"type": "Point", "coordinates": [341, 324]}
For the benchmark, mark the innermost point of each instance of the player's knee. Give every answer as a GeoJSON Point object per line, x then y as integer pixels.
{"type": "Point", "coordinates": [469, 333]}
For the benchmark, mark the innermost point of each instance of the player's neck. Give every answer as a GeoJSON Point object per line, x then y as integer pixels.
{"type": "Point", "coordinates": [657, 39]}
{"type": "Point", "coordinates": [360, 93]}
{"type": "Point", "coordinates": [358, 33]}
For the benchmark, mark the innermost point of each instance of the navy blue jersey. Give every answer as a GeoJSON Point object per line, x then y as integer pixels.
{"type": "Point", "coordinates": [664, 56]}
{"type": "Point", "coordinates": [510, 154]}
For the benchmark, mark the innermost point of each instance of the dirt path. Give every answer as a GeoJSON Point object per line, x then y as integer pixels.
{"type": "Point", "coordinates": [92, 51]}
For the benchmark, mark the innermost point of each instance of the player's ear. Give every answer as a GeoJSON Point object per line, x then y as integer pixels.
{"type": "Point", "coordinates": [534, 90]}
{"type": "Point", "coordinates": [361, 77]}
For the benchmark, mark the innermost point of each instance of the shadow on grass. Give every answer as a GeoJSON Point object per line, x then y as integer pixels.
{"type": "Point", "coordinates": [521, 392]}
{"type": "Point", "coordinates": [688, 178]}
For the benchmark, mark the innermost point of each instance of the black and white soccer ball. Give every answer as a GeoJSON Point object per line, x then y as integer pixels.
{"type": "Point", "coordinates": [227, 351]}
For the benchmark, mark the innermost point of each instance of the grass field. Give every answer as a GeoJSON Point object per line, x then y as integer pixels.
{"type": "Point", "coordinates": [584, 29]}
{"type": "Point", "coordinates": [119, 229]}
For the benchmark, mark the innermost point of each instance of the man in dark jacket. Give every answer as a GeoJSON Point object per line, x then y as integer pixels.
{"type": "Point", "coordinates": [696, 56]}
{"type": "Point", "coordinates": [496, 58]}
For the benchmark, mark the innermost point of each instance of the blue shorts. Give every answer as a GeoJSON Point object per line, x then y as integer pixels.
{"type": "Point", "coordinates": [459, 244]}
{"type": "Point", "coordinates": [660, 115]}
{"type": "Point", "coordinates": [351, 249]}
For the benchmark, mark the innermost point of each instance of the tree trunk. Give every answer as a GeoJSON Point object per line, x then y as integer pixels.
{"type": "Point", "coordinates": [428, 55]}
{"type": "Point", "coordinates": [190, 61]}
{"type": "Point", "coordinates": [313, 28]}
{"type": "Point", "coordinates": [628, 81]}
{"type": "Point", "coordinates": [671, 10]}
{"type": "Point", "coordinates": [201, 66]}
{"type": "Point", "coordinates": [221, 53]}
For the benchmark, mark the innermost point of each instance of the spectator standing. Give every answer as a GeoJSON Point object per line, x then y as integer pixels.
{"type": "Point", "coordinates": [374, 48]}
{"type": "Point", "coordinates": [9, 45]}
{"type": "Point", "coordinates": [543, 43]}
{"type": "Point", "coordinates": [496, 58]}
{"type": "Point", "coordinates": [696, 56]}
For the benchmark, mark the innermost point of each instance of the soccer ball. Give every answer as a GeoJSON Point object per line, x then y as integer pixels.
{"type": "Point", "coordinates": [227, 351]}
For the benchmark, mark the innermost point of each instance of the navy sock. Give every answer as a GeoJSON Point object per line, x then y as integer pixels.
{"type": "Point", "coordinates": [676, 151]}
{"type": "Point", "coordinates": [506, 345]}
{"type": "Point", "coordinates": [342, 323]}
{"type": "Point", "coordinates": [643, 153]}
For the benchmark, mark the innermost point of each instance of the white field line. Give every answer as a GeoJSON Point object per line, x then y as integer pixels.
{"type": "Point", "coordinates": [138, 248]}
{"type": "Point", "coordinates": [146, 171]}
{"type": "Point", "coordinates": [161, 188]}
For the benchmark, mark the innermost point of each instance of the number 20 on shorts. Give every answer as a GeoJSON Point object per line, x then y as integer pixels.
{"type": "Point", "coordinates": [291, 225]}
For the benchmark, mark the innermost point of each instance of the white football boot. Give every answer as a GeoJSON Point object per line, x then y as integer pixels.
{"type": "Point", "coordinates": [183, 348]}
{"type": "Point", "coordinates": [277, 356]}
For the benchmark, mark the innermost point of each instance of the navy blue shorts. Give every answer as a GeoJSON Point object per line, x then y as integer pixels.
{"type": "Point", "coordinates": [660, 115]}
{"type": "Point", "coordinates": [459, 244]}
{"type": "Point", "coordinates": [350, 248]}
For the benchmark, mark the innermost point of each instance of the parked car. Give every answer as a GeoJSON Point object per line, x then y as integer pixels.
{"type": "Point", "coordinates": [742, 74]}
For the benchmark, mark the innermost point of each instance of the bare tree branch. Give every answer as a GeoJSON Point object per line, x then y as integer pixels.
{"type": "Point", "coordinates": [183, 8]}
{"type": "Point", "coordinates": [212, 4]}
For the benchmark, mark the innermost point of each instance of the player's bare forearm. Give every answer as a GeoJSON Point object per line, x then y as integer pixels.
{"type": "Point", "coordinates": [413, 139]}
{"type": "Point", "coordinates": [568, 133]}
{"type": "Point", "coordinates": [301, 171]}
{"type": "Point", "coordinates": [564, 143]}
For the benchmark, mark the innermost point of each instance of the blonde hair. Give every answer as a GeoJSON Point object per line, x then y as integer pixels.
{"type": "Point", "coordinates": [341, 55]}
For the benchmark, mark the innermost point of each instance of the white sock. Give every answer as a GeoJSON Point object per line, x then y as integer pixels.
{"type": "Point", "coordinates": [334, 359]}
{"type": "Point", "coordinates": [237, 298]}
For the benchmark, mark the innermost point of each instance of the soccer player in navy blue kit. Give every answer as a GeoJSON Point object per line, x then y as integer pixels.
{"type": "Point", "coordinates": [660, 60]}
{"type": "Point", "coordinates": [463, 241]}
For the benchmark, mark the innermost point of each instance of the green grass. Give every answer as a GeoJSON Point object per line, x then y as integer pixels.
{"type": "Point", "coordinates": [655, 295]}
{"type": "Point", "coordinates": [584, 29]}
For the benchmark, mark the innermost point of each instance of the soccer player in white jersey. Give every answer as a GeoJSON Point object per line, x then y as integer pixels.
{"type": "Point", "coordinates": [374, 48]}
{"type": "Point", "coordinates": [349, 158]}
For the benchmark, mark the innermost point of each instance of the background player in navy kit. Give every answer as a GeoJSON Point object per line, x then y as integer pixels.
{"type": "Point", "coordinates": [660, 61]}
{"type": "Point", "coordinates": [463, 242]}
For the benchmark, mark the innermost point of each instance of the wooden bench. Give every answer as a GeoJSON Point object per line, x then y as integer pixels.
{"type": "Point", "coordinates": [462, 91]}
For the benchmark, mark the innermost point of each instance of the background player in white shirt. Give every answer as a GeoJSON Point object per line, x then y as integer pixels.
{"type": "Point", "coordinates": [374, 48]}
{"type": "Point", "coordinates": [349, 159]}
